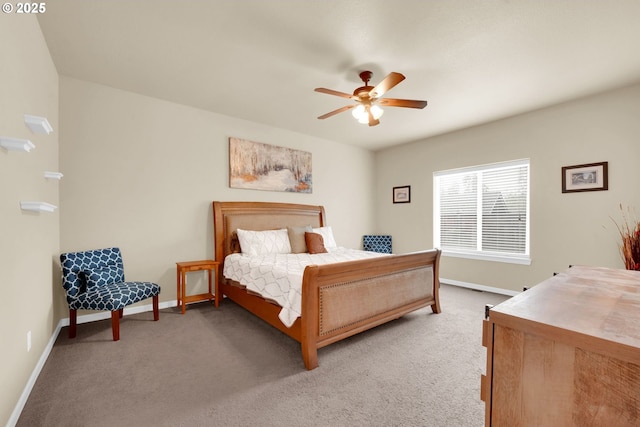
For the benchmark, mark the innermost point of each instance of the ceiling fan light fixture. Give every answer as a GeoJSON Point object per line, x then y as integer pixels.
{"type": "Point", "coordinates": [368, 98]}
{"type": "Point", "coordinates": [360, 113]}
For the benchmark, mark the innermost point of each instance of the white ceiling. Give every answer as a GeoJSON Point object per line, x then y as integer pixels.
{"type": "Point", "coordinates": [474, 61]}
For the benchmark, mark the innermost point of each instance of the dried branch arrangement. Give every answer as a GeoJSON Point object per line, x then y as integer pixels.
{"type": "Point", "coordinates": [630, 235]}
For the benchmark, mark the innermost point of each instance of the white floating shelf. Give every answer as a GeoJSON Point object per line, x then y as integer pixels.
{"type": "Point", "coordinates": [37, 206]}
{"type": "Point", "coordinates": [53, 175]}
{"type": "Point", "coordinates": [38, 124]}
{"type": "Point", "coordinates": [16, 144]}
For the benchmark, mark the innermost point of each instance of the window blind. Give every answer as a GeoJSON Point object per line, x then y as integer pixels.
{"type": "Point", "coordinates": [483, 210]}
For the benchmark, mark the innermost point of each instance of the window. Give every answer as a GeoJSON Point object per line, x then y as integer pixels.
{"type": "Point", "coordinates": [482, 212]}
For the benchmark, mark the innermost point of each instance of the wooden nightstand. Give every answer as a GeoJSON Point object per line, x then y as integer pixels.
{"type": "Point", "coordinates": [182, 268]}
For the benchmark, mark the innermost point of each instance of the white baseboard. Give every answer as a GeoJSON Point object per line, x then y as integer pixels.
{"type": "Point", "coordinates": [47, 350]}
{"type": "Point", "coordinates": [478, 287]}
{"type": "Point", "coordinates": [13, 419]}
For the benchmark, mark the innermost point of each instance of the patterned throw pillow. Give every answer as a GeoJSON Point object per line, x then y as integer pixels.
{"type": "Point", "coordinates": [256, 243]}
{"type": "Point", "coordinates": [315, 243]}
{"type": "Point", "coordinates": [103, 276]}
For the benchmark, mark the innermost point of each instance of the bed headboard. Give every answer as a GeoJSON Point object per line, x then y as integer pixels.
{"type": "Point", "coordinates": [229, 216]}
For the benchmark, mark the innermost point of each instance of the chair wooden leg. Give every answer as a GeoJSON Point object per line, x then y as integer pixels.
{"type": "Point", "coordinates": [73, 319]}
{"type": "Point", "coordinates": [121, 312]}
{"type": "Point", "coordinates": [115, 324]}
{"type": "Point", "coordinates": [156, 310]}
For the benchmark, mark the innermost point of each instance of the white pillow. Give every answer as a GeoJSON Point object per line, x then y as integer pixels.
{"type": "Point", "coordinates": [264, 242]}
{"type": "Point", "coordinates": [327, 236]}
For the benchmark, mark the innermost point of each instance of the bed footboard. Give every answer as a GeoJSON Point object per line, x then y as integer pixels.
{"type": "Point", "coordinates": [340, 300]}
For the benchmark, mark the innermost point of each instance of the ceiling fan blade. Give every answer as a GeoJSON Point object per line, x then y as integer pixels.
{"type": "Point", "coordinates": [334, 112]}
{"type": "Point", "coordinates": [372, 120]}
{"type": "Point", "coordinates": [334, 92]}
{"type": "Point", "coordinates": [407, 103]}
{"type": "Point", "coordinates": [386, 85]}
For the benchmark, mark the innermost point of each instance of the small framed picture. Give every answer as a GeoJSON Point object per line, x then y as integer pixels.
{"type": "Point", "coordinates": [588, 177]}
{"type": "Point", "coordinates": [402, 194]}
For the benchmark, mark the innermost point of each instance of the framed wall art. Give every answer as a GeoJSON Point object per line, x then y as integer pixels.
{"type": "Point", "coordinates": [258, 166]}
{"type": "Point", "coordinates": [587, 177]}
{"type": "Point", "coordinates": [402, 194]}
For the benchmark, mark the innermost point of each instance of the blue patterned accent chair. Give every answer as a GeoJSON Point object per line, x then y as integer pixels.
{"type": "Point", "coordinates": [94, 280]}
{"type": "Point", "coordinates": [377, 243]}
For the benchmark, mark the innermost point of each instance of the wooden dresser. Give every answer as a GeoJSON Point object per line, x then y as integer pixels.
{"type": "Point", "coordinates": [566, 352]}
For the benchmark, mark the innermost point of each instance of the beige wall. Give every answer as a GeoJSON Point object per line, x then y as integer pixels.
{"type": "Point", "coordinates": [29, 242]}
{"type": "Point", "coordinates": [141, 174]}
{"type": "Point", "coordinates": [574, 228]}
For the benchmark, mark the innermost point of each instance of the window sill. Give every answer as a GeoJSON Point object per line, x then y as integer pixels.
{"type": "Point", "coordinates": [523, 260]}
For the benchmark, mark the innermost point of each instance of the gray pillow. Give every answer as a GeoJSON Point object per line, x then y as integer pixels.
{"type": "Point", "coordinates": [296, 238]}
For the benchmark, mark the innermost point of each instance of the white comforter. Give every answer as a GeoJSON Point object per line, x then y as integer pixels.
{"type": "Point", "coordinates": [278, 277]}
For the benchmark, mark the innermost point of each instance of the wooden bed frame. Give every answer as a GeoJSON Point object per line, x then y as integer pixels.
{"type": "Point", "coordinates": [338, 300]}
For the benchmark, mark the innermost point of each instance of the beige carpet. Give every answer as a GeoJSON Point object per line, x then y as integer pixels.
{"type": "Point", "coordinates": [225, 367]}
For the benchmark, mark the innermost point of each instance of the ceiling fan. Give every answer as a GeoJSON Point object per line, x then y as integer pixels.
{"type": "Point", "coordinates": [369, 98]}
